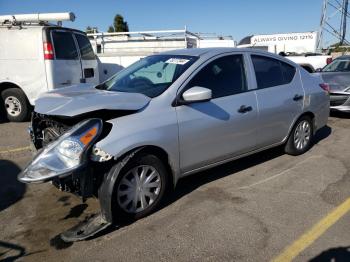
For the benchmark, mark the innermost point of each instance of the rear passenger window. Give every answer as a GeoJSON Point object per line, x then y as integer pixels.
{"type": "Point", "coordinates": [224, 76]}
{"type": "Point", "coordinates": [268, 71]}
{"type": "Point", "coordinates": [64, 45]}
{"type": "Point", "coordinates": [288, 72]}
{"type": "Point", "coordinates": [85, 47]}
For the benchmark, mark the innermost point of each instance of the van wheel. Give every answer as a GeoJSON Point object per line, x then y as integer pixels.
{"type": "Point", "coordinates": [140, 188]}
{"type": "Point", "coordinates": [300, 139]}
{"type": "Point", "coordinates": [16, 105]}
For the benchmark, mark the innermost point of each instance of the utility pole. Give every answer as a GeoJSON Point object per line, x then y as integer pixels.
{"type": "Point", "coordinates": [333, 21]}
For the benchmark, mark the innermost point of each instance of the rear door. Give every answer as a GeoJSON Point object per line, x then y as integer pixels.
{"type": "Point", "coordinates": [280, 97]}
{"type": "Point", "coordinates": [66, 66]}
{"type": "Point", "coordinates": [89, 64]}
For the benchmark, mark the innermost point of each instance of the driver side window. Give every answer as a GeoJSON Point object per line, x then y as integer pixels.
{"type": "Point", "coordinates": [225, 76]}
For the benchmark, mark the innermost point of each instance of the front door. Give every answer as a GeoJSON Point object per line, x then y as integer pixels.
{"type": "Point", "coordinates": [223, 127]}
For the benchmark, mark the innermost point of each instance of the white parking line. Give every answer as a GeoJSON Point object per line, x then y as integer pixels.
{"type": "Point", "coordinates": [279, 174]}
{"type": "Point", "coordinates": [14, 150]}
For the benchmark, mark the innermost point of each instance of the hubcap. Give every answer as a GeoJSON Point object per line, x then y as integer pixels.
{"type": "Point", "coordinates": [138, 189]}
{"type": "Point", "coordinates": [13, 106]}
{"type": "Point", "coordinates": [302, 135]}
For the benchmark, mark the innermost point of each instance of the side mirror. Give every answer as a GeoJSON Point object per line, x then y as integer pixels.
{"type": "Point", "coordinates": [318, 70]}
{"type": "Point", "coordinates": [196, 94]}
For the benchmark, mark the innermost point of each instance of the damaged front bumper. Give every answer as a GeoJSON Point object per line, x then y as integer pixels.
{"type": "Point", "coordinates": [71, 163]}
{"type": "Point", "coordinates": [65, 156]}
{"type": "Point", "coordinates": [66, 163]}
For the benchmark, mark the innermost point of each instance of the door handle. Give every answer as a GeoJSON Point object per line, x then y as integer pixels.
{"type": "Point", "coordinates": [244, 109]}
{"type": "Point", "coordinates": [66, 83]}
{"type": "Point", "coordinates": [298, 97]}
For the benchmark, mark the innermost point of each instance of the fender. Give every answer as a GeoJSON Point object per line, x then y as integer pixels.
{"type": "Point", "coordinates": [106, 189]}
{"type": "Point", "coordinates": [104, 219]}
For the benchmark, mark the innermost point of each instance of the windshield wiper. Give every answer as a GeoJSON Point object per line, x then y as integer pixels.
{"type": "Point", "coordinates": [101, 86]}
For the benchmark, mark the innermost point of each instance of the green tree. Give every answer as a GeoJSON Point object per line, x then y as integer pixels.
{"type": "Point", "coordinates": [110, 29]}
{"type": "Point", "coordinates": [119, 25]}
{"type": "Point", "coordinates": [337, 47]}
{"type": "Point", "coordinates": [90, 30]}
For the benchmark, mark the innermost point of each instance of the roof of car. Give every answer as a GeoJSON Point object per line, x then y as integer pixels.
{"type": "Point", "coordinates": [211, 50]}
{"type": "Point", "coordinates": [344, 57]}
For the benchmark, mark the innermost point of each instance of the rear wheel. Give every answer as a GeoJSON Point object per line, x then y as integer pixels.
{"type": "Point", "coordinates": [300, 139]}
{"type": "Point", "coordinates": [15, 104]}
{"type": "Point", "coordinates": [140, 188]}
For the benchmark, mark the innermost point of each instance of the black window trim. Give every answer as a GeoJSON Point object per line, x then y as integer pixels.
{"type": "Point", "coordinates": [274, 58]}
{"type": "Point", "coordinates": [178, 101]}
{"type": "Point", "coordinates": [75, 43]}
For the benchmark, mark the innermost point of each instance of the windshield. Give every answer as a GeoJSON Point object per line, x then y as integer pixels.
{"type": "Point", "coordinates": [150, 76]}
{"type": "Point", "coordinates": [338, 65]}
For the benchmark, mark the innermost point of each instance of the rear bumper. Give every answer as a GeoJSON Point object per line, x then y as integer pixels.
{"type": "Point", "coordinates": [340, 101]}
{"type": "Point", "coordinates": [345, 109]}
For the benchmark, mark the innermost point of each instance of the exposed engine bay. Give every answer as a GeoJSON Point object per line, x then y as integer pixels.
{"type": "Point", "coordinates": [46, 129]}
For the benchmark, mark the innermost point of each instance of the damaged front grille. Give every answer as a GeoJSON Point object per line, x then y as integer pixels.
{"type": "Point", "coordinates": [46, 129]}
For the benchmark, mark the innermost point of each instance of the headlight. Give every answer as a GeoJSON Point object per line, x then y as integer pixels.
{"type": "Point", "coordinates": [63, 156]}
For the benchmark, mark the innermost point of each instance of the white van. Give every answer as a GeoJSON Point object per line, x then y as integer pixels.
{"type": "Point", "coordinates": [36, 57]}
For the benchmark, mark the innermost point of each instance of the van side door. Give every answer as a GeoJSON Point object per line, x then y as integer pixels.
{"type": "Point", "coordinates": [65, 68]}
{"type": "Point", "coordinates": [280, 97]}
{"type": "Point", "coordinates": [89, 65]}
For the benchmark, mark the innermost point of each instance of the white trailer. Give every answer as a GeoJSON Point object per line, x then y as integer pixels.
{"type": "Point", "coordinates": [298, 47]}
{"type": "Point", "coordinates": [118, 50]}
{"type": "Point", "coordinates": [304, 42]}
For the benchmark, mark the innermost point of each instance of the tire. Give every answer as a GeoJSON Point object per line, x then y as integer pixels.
{"type": "Point", "coordinates": [123, 212]}
{"type": "Point", "coordinates": [15, 104]}
{"type": "Point", "coordinates": [301, 137]}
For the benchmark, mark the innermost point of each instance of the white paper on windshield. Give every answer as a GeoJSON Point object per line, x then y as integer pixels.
{"type": "Point", "coordinates": [177, 61]}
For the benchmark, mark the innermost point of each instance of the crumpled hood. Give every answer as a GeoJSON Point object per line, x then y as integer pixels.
{"type": "Point", "coordinates": [79, 99]}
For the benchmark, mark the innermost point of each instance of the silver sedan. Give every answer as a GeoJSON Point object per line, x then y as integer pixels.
{"type": "Point", "coordinates": [337, 76]}
{"type": "Point", "coordinates": [130, 139]}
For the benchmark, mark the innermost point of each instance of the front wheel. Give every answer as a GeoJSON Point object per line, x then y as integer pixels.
{"type": "Point", "coordinates": [140, 188]}
{"type": "Point", "coordinates": [300, 139]}
{"type": "Point", "coordinates": [16, 105]}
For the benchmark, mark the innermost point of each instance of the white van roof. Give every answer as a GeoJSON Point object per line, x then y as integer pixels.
{"type": "Point", "coordinates": [36, 18]}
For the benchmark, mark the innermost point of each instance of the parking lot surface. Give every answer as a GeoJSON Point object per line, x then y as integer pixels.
{"type": "Point", "coordinates": [260, 208]}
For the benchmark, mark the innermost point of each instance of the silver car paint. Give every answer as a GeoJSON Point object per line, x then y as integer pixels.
{"type": "Point", "coordinates": [79, 99]}
{"type": "Point", "coordinates": [339, 83]}
{"type": "Point", "coordinates": [315, 101]}
{"type": "Point", "coordinates": [201, 135]}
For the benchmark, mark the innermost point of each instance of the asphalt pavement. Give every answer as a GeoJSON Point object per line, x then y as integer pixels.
{"type": "Point", "coordinates": [260, 208]}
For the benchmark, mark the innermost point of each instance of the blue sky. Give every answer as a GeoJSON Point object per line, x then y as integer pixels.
{"type": "Point", "coordinates": [238, 18]}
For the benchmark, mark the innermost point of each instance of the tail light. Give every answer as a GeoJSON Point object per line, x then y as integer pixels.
{"type": "Point", "coordinates": [329, 60]}
{"type": "Point", "coordinates": [325, 87]}
{"type": "Point", "coordinates": [48, 51]}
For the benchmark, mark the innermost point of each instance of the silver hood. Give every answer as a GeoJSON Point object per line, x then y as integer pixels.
{"type": "Point", "coordinates": [79, 99]}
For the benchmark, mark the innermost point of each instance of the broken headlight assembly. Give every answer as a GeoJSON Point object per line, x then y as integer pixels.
{"type": "Point", "coordinates": [65, 155]}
